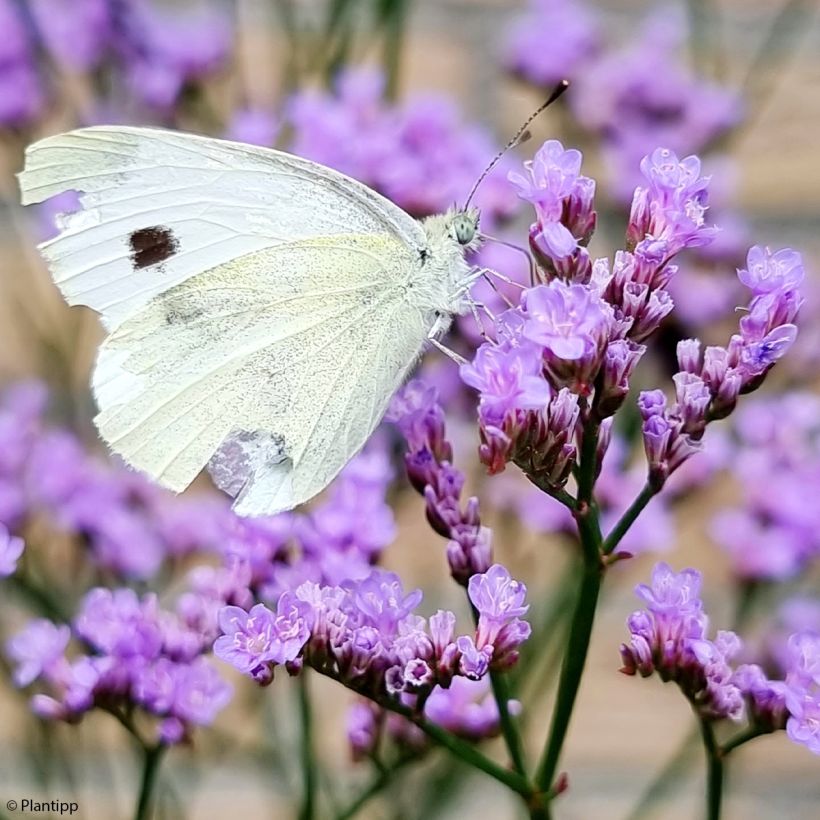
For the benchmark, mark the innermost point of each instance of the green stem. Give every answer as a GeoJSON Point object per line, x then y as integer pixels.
{"type": "Point", "coordinates": [464, 751]}
{"type": "Point", "coordinates": [41, 598]}
{"type": "Point", "coordinates": [744, 737]}
{"type": "Point", "coordinates": [575, 656]}
{"type": "Point", "coordinates": [588, 462]}
{"type": "Point", "coordinates": [628, 519]}
{"type": "Point", "coordinates": [379, 783]}
{"type": "Point", "coordinates": [509, 729]}
{"type": "Point", "coordinates": [152, 757]}
{"type": "Point", "coordinates": [308, 809]}
{"type": "Point", "coordinates": [583, 616]}
{"type": "Point", "coordinates": [714, 770]}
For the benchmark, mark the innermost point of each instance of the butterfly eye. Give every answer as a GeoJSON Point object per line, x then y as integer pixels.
{"type": "Point", "coordinates": [464, 228]}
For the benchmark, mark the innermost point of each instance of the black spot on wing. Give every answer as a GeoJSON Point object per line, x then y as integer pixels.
{"type": "Point", "coordinates": [151, 246]}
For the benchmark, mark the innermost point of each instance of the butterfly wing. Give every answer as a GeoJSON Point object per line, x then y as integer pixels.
{"type": "Point", "coordinates": [273, 368]}
{"type": "Point", "coordinates": [159, 207]}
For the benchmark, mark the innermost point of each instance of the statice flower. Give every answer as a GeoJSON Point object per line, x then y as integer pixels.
{"type": "Point", "coordinates": [499, 601]}
{"type": "Point", "coordinates": [252, 639]}
{"type": "Point", "coordinates": [417, 413]}
{"type": "Point", "coordinates": [670, 638]}
{"type": "Point", "coordinates": [467, 709]}
{"type": "Point", "coordinates": [710, 381]}
{"type": "Point", "coordinates": [365, 634]}
{"type": "Point", "coordinates": [136, 655]}
{"type": "Point", "coordinates": [508, 379]}
{"type": "Point", "coordinates": [567, 26]}
{"type": "Point", "coordinates": [37, 650]}
{"type": "Point", "coordinates": [563, 202]}
{"type": "Point", "coordinates": [643, 96]}
{"type": "Point", "coordinates": [572, 324]}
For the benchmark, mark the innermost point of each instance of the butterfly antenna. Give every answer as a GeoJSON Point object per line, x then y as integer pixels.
{"type": "Point", "coordinates": [520, 136]}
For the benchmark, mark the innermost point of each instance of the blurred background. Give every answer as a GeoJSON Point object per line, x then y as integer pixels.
{"type": "Point", "coordinates": [415, 98]}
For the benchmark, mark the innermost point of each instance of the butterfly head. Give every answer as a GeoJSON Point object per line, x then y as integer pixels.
{"type": "Point", "coordinates": [463, 228]}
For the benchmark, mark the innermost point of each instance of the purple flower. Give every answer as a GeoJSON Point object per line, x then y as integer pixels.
{"type": "Point", "coordinates": [766, 699]}
{"type": "Point", "coordinates": [672, 594]}
{"type": "Point", "coordinates": [553, 176]}
{"type": "Point", "coordinates": [620, 360]}
{"type": "Point", "coordinates": [767, 272]}
{"type": "Point", "coordinates": [758, 355]}
{"type": "Point", "coordinates": [500, 603]}
{"type": "Point", "coordinates": [253, 639]}
{"type": "Point", "coordinates": [803, 725]}
{"type": "Point", "coordinates": [21, 95]}
{"type": "Point", "coordinates": [508, 380]}
{"type": "Point", "coordinates": [671, 209]}
{"type": "Point", "coordinates": [474, 663]}
{"type": "Point", "coordinates": [362, 729]}
{"type": "Point", "coordinates": [497, 596]}
{"type": "Point", "coordinates": [467, 709]}
{"type": "Point", "coordinates": [37, 650]}
{"type": "Point", "coordinates": [644, 96]}
{"type": "Point", "coordinates": [670, 638]}
{"type": "Point", "coordinates": [419, 154]}
{"type": "Point", "coordinates": [199, 692]}
{"type": "Point", "coordinates": [11, 548]}
{"type": "Point", "coordinates": [563, 202]}
{"type": "Point", "coordinates": [573, 324]}
{"type": "Point", "coordinates": [569, 28]}
{"type": "Point", "coordinates": [118, 623]}
{"type": "Point", "coordinates": [379, 601]}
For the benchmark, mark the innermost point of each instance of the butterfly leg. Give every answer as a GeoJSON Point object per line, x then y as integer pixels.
{"type": "Point", "coordinates": [501, 296]}
{"type": "Point", "coordinates": [441, 324]}
{"type": "Point", "coordinates": [518, 248]}
{"type": "Point", "coordinates": [450, 354]}
{"type": "Point", "coordinates": [473, 305]}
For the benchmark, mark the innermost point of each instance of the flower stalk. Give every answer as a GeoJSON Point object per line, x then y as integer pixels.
{"type": "Point", "coordinates": [152, 758]}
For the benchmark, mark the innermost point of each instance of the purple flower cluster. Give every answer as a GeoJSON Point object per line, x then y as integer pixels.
{"type": "Point", "coordinates": [127, 525]}
{"type": "Point", "coordinates": [137, 654]}
{"type": "Point", "coordinates": [563, 201]}
{"type": "Point", "coordinates": [365, 634]}
{"type": "Point", "coordinates": [774, 532]}
{"type": "Point", "coordinates": [552, 41]}
{"type": "Point", "coordinates": [419, 154]}
{"type": "Point", "coordinates": [417, 413]}
{"type": "Point", "coordinates": [803, 690]}
{"type": "Point", "coordinates": [153, 50]}
{"type": "Point", "coordinates": [709, 382]}
{"type": "Point", "coordinates": [566, 354]}
{"type": "Point", "coordinates": [635, 98]}
{"type": "Point", "coordinates": [669, 637]}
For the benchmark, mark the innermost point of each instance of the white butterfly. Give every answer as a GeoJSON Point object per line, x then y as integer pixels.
{"type": "Point", "coordinates": [261, 308]}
